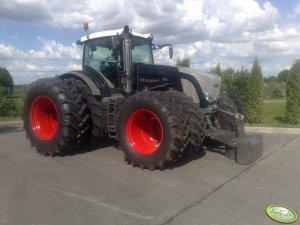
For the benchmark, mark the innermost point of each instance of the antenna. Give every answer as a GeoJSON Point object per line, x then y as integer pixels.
{"type": "Point", "coordinates": [86, 27]}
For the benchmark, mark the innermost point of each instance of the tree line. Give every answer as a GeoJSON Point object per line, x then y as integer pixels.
{"type": "Point", "coordinates": [250, 86]}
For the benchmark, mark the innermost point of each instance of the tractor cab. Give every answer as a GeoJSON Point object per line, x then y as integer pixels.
{"type": "Point", "coordinates": [115, 54]}
{"type": "Point", "coordinates": [108, 53]}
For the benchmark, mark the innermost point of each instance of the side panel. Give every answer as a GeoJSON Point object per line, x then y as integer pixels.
{"type": "Point", "coordinates": [150, 76]}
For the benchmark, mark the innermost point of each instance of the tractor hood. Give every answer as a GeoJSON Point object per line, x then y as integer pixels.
{"type": "Point", "coordinates": [203, 87]}
{"type": "Point", "coordinates": [209, 82]}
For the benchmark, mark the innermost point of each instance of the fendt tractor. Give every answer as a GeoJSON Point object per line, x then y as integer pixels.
{"type": "Point", "coordinates": [158, 114]}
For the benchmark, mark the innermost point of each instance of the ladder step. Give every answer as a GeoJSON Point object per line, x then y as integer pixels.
{"type": "Point", "coordinates": [111, 117]}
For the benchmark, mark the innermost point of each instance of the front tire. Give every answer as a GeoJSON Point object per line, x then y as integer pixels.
{"type": "Point", "coordinates": [150, 131]}
{"type": "Point", "coordinates": [192, 117]}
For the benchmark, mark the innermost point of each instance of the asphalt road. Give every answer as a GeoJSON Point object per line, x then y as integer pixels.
{"type": "Point", "coordinates": [98, 187]}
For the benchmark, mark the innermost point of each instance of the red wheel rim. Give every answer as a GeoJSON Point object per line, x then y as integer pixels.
{"type": "Point", "coordinates": [144, 131]}
{"type": "Point", "coordinates": [43, 118]}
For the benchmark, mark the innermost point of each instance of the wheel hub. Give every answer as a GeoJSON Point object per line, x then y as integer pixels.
{"type": "Point", "coordinates": [144, 131]}
{"type": "Point", "coordinates": [44, 118]}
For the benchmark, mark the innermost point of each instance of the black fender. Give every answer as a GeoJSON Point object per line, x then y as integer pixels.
{"type": "Point", "coordinates": [93, 79]}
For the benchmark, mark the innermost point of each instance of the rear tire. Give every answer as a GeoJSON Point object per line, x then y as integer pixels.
{"type": "Point", "coordinates": [98, 114]}
{"type": "Point", "coordinates": [56, 117]}
{"type": "Point", "coordinates": [150, 131]}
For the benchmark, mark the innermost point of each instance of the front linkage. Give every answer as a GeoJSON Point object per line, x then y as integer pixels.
{"type": "Point", "coordinates": [239, 146]}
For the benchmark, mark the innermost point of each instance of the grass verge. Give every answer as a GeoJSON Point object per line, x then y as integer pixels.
{"type": "Point", "coordinates": [274, 115]}
{"type": "Point", "coordinates": [9, 119]}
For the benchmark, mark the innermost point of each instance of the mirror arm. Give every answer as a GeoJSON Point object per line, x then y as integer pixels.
{"type": "Point", "coordinates": [156, 47]}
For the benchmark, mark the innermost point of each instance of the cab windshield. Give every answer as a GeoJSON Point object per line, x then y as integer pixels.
{"type": "Point", "coordinates": [141, 51]}
{"type": "Point", "coordinates": [99, 53]}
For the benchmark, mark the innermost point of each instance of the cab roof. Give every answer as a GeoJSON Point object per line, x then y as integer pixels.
{"type": "Point", "coordinates": [109, 33]}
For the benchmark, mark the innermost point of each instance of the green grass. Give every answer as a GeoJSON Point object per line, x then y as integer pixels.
{"type": "Point", "coordinates": [9, 119]}
{"type": "Point", "coordinates": [274, 114]}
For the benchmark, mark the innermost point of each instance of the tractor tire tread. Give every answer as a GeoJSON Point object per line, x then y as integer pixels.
{"type": "Point", "coordinates": [160, 101]}
{"type": "Point", "coordinates": [69, 134]}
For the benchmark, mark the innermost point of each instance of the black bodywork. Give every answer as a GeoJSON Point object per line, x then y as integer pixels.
{"type": "Point", "coordinates": [145, 77]}
{"type": "Point", "coordinates": [160, 76]}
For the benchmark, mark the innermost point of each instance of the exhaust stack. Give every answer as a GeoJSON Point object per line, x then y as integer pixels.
{"type": "Point", "coordinates": [127, 60]}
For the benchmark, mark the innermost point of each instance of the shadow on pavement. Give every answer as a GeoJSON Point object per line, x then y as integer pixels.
{"type": "Point", "coordinates": [10, 128]}
{"type": "Point", "coordinates": [186, 159]}
{"type": "Point", "coordinates": [94, 145]}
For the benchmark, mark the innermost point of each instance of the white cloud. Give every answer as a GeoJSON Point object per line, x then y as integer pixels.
{"type": "Point", "coordinates": [8, 52]}
{"type": "Point", "coordinates": [31, 67]}
{"type": "Point", "coordinates": [207, 31]}
{"type": "Point", "coordinates": [74, 66]}
{"type": "Point", "coordinates": [37, 54]}
{"type": "Point", "coordinates": [25, 11]}
{"type": "Point", "coordinates": [182, 20]}
{"type": "Point", "coordinates": [56, 50]}
{"type": "Point", "coordinates": [51, 59]}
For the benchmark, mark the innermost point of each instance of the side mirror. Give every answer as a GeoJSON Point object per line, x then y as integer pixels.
{"type": "Point", "coordinates": [171, 51]}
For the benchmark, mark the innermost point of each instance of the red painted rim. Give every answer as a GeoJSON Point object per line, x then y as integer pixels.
{"type": "Point", "coordinates": [144, 131]}
{"type": "Point", "coordinates": [43, 117]}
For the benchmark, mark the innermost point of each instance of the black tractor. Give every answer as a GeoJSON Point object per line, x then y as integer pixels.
{"type": "Point", "coordinates": [158, 114]}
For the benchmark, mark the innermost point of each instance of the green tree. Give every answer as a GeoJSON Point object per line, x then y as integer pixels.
{"type": "Point", "coordinates": [228, 80]}
{"type": "Point", "coordinates": [249, 87]}
{"type": "Point", "coordinates": [292, 113]}
{"type": "Point", "coordinates": [254, 93]}
{"type": "Point", "coordinates": [6, 81]}
{"type": "Point", "coordinates": [241, 81]}
{"type": "Point", "coordinates": [217, 69]}
{"type": "Point", "coordinates": [270, 79]}
{"type": "Point", "coordinates": [283, 76]}
{"type": "Point", "coordinates": [185, 62]}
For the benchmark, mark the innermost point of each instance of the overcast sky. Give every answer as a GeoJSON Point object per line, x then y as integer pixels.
{"type": "Point", "coordinates": [37, 37]}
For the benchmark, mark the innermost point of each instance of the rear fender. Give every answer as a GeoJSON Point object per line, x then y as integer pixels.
{"type": "Point", "coordinates": [97, 84]}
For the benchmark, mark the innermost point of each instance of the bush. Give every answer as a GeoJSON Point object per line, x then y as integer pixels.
{"type": "Point", "coordinates": [249, 87]}
{"type": "Point", "coordinates": [7, 104]}
{"type": "Point", "coordinates": [292, 113]}
{"type": "Point", "coordinates": [8, 108]}
{"type": "Point", "coordinates": [274, 90]}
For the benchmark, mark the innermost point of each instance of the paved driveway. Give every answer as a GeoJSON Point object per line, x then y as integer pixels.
{"type": "Point", "coordinates": [98, 187]}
